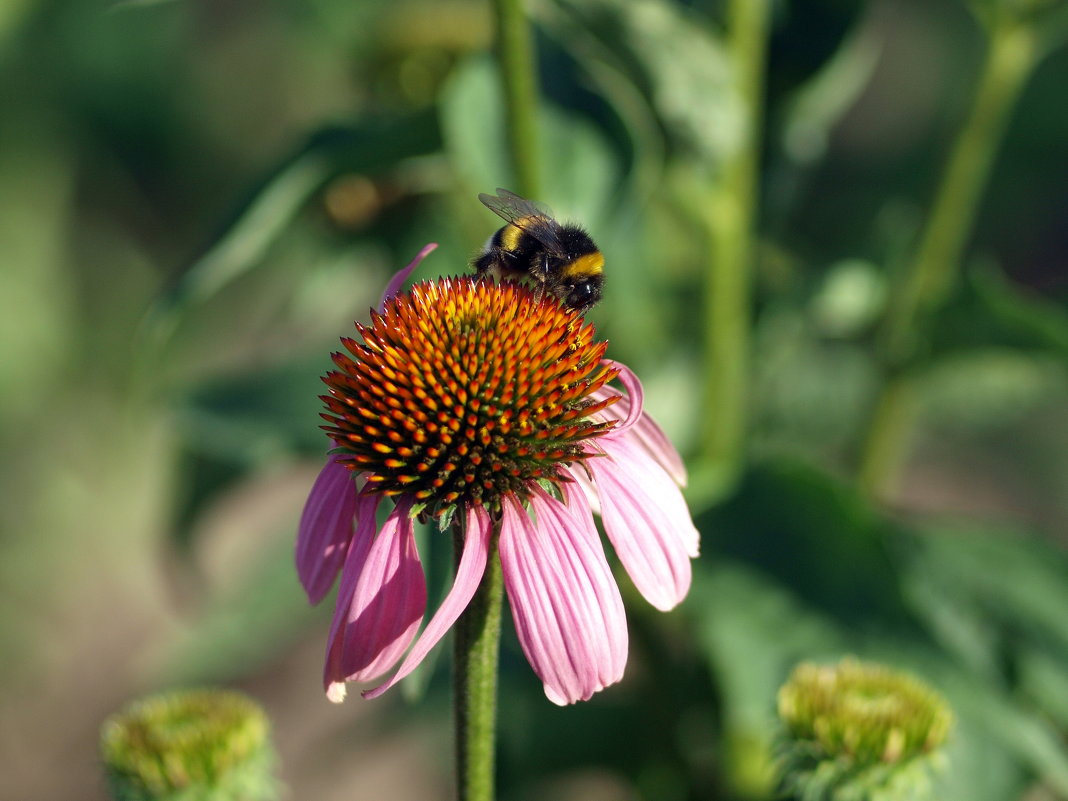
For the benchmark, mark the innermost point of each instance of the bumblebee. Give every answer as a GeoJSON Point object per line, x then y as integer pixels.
{"type": "Point", "coordinates": [561, 258]}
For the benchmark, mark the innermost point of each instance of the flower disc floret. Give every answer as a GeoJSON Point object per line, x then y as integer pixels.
{"type": "Point", "coordinates": [462, 392]}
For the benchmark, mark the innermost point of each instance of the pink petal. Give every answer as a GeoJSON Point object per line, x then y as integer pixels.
{"type": "Point", "coordinates": [380, 604]}
{"type": "Point", "coordinates": [468, 575]}
{"type": "Point", "coordinates": [582, 479]}
{"type": "Point", "coordinates": [566, 606]}
{"type": "Point", "coordinates": [647, 521]}
{"type": "Point", "coordinates": [658, 484]}
{"type": "Point", "coordinates": [646, 431]}
{"type": "Point", "coordinates": [635, 394]}
{"type": "Point", "coordinates": [397, 281]}
{"type": "Point", "coordinates": [325, 529]}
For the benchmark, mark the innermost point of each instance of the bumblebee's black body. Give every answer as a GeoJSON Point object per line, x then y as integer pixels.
{"type": "Point", "coordinates": [562, 258]}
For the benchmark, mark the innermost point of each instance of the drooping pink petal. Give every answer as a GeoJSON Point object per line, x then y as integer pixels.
{"type": "Point", "coordinates": [635, 459]}
{"type": "Point", "coordinates": [355, 559]}
{"type": "Point", "coordinates": [646, 431]}
{"type": "Point", "coordinates": [653, 537]}
{"type": "Point", "coordinates": [565, 604]}
{"type": "Point", "coordinates": [380, 609]}
{"type": "Point", "coordinates": [468, 575]}
{"type": "Point", "coordinates": [652, 438]}
{"type": "Point", "coordinates": [397, 281]}
{"type": "Point", "coordinates": [325, 529]}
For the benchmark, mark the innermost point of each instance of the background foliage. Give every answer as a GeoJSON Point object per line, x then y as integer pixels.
{"type": "Point", "coordinates": [198, 199]}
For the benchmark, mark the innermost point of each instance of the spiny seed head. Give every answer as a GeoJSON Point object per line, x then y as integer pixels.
{"type": "Point", "coordinates": [463, 390]}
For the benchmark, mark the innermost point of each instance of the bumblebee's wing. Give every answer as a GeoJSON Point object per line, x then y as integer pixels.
{"type": "Point", "coordinates": [526, 215]}
{"type": "Point", "coordinates": [511, 207]}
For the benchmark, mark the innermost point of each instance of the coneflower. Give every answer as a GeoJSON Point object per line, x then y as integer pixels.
{"type": "Point", "coordinates": [488, 407]}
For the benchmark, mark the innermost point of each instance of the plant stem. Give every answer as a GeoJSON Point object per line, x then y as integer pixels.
{"type": "Point", "coordinates": [515, 52]}
{"type": "Point", "coordinates": [930, 279]}
{"type": "Point", "coordinates": [1009, 60]}
{"type": "Point", "coordinates": [477, 636]}
{"type": "Point", "coordinates": [731, 226]}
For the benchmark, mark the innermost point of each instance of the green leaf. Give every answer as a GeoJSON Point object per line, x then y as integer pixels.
{"type": "Point", "coordinates": [816, 535]}
{"type": "Point", "coordinates": [263, 227]}
{"type": "Point", "coordinates": [678, 61]}
{"type": "Point", "coordinates": [999, 602]}
{"type": "Point", "coordinates": [580, 171]}
{"type": "Point", "coordinates": [1014, 580]}
{"type": "Point", "coordinates": [752, 632]}
{"type": "Point", "coordinates": [824, 99]}
{"type": "Point", "coordinates": [1026, 320]}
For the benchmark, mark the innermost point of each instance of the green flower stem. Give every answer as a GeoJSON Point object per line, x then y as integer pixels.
{"type": "Point", "coordinates": [519, 73]}
{"type": "Point", "coordinates": [1010, 59]}
{"type": "Point", "coordinates": [477, 636]}
{"type": "Point", "coordinates": [728, 289]}
{"type": "Point", "coordinates": [888, 436]}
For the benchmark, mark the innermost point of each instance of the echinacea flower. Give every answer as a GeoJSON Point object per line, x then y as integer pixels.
{"type": "Point", "coordinates": [488, 405]}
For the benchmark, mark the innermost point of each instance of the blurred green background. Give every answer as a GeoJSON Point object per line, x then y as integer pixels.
{"type": "Point", "coordinates": [198, 198]}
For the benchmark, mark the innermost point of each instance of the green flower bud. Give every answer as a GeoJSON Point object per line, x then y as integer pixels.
{"type": "Point", "coordinates": [190, 745]}
{"type": "Point", "coordinates": [858, 731]}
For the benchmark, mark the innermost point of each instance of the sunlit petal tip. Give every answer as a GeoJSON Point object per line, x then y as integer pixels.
{"type": "Point", "coordinates": [325, 529]}
{"type": "Point", "coordinates": [565, 603]}
{"type": "Point", "coordinates": [468, 576]}
{"type": "Point", "coordinates": [397, 281]}
{"type": "Point", "coordinates": [335, 692]}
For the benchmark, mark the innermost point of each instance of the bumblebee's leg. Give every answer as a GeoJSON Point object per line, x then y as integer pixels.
{"type": "Point", "coordinates": [540, 273]}
{"type": "Point", "coordinates": [544, 268]}
{"type": "Point", "coordinates": [490, 266]}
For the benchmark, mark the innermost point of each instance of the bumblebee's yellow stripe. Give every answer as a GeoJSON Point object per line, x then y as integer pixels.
{"type": "Point", "coordinates": [589, 264]}
{"type": "Point", "coordinates": [510, 235]}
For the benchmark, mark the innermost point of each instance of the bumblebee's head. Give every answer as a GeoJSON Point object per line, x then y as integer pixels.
{"type": "Point", "coordinates": [583, 293]}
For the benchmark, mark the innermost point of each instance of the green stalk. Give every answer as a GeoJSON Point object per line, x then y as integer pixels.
{"type": "Point", "coordinates": [515, 51]}
{"type": "Point", "coordinates": [477, 633]}
{"type": "Point", "coordinates": [477, 636]}
{"type": "Point", "coordinates": [1009, 61]}
{"type": "Point", "coordinates": [728, 289]}
{"type": "Point", "coordinates": [932, 276]}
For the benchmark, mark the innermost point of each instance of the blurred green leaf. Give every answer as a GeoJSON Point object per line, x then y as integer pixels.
{"type": "Point", "coordinates": [679, 62]}
{"type": "Point", "coordinates": [816, 535]}
{"type": "Point", "coordinates": [1025, 318]}
{"type": "Point", "coordinates": [993, 598]}
{"type": "Point", "coordinates": [1030, 739]}
{"type": "Point", "coordinates": [752, 631]}
{"type": "Point", "coordinates": [820, 103]}
{"type": "Point", "coordinates": [580, 173]}
{"type": "Point", "coordinates": [261, 284]}
{"type": "Point", "coordinates": [1015, 581]}
{"type": "Point", "coordinates": [1043, 680]}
